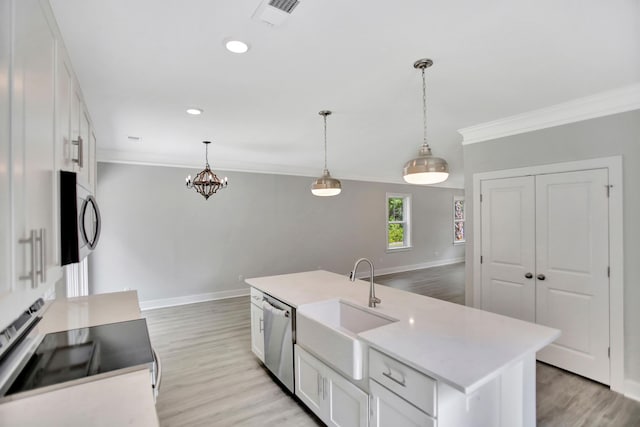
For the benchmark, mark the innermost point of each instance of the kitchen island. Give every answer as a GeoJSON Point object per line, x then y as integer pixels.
{"type": "Point", "coordinates": [482, 364]}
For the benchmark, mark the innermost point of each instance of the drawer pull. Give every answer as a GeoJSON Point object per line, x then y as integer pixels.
{"type": "Point", "coordinates": [392, 378]}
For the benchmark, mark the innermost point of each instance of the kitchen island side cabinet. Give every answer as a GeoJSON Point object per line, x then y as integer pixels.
{"type": "Point", "coordinates": [257, 324]}
{"type": "Point", "coordinates": [335, 400]}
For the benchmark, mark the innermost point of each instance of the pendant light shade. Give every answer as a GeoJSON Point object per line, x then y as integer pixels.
{"type": "Point", "coordinates": [326, 185]}
{"type": "Point", "coordinates": [426, 168]}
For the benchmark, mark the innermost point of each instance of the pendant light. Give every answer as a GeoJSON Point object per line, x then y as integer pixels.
{"type": "Point", "coordinates": [426, 168]}
{"type": "Point", "coordinates": [326, 185]}
{"type": "Point", "coordinates": [206, 182]}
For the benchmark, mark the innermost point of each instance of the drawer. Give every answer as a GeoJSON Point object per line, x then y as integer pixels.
{"type": "Point", "coordinates": [411, 385]}
{"type": "Point", "coordinates": [390, 410]}
{"type": "Point", "coordinates": [256, 297]}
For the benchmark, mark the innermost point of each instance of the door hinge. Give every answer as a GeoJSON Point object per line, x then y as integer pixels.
{"type": "Point", "coordinates": [480, 259]}
{"type": "Point", "coordinates": [480, 198]}
{"type": "Point", "coordinates": [609, 352]}
{"type": "Point", "coordinates": [608, 271]}
{"type": "Point", "coordinates": [608, 187]}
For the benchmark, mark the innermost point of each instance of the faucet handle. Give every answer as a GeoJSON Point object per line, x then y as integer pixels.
{"type": "Point", "coordinates": [351, 275]}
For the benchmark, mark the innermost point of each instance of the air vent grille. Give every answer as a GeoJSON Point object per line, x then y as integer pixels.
{"type": "Point", "coordinates": [284, 5]}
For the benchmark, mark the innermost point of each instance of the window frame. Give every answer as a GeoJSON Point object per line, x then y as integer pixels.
{"type": "Point", "coordinates": [406, 215]}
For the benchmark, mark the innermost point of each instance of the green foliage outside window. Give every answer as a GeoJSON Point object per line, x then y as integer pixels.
{"type": "Point", "coordinates": [396, 213]}
{"type": "Point", "coordinates": [396, 209]}
{"type": "Point", "coordinates": [396, 235]}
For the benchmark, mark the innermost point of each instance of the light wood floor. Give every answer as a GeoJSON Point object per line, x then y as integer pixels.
{"type": "Point", "coordinates": [445, 282]}
{"type": "Point", "coordinates": [211, 378]}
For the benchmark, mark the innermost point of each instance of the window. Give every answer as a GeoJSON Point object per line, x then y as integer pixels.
{"type": "Point", "coordinates": [458, 219]}
{"type": "Point", "coordinates": [398, 221]}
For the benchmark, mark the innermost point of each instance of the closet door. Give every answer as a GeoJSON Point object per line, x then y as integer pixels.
{"type": "Point", "coordinates": [508, 247]}
{"type": "Point", "coordinates": [572, 257]}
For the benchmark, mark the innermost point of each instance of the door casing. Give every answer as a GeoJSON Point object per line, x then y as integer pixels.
{"type": "Point", "coordinates": [616, 249]}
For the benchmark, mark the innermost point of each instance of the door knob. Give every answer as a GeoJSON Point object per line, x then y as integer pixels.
{"type": "Point", "coordinates": [528, 275]}
{"type": "Point", "coordinates": [540, 277]}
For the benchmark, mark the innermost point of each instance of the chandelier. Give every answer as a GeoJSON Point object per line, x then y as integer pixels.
{"type": "Point", "coordinates": [206, 182]}
{"type": "Point", "coordinates": [426, 168]}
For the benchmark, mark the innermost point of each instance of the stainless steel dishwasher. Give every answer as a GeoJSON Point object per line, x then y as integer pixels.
{"type": "Point", "coordinates": [279, 336]}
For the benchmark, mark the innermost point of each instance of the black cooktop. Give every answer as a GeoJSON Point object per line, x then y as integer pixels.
{"type": "Point", "coordinates": [80, 353]}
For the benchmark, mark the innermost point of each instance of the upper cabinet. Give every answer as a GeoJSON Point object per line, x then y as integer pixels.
{"type": "Point", "coordinates": [5, 149]}
{"type": "Point", "coordinates": [75, 140]}
{"type": "Point", "coordinates": [41, 114]}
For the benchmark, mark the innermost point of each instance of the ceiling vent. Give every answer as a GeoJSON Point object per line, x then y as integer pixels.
{"type": "Point", "coordinates": [275, 12]}
{"type": "Point", "coordinates": [284, 5]}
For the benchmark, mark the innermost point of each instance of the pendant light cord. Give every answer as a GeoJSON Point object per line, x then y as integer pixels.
{"type": "Point", "coordinates": [206, 154]}
{"type": "Point", "coordinates": [424, 107]}
{"type": "Point", "coordinates": [325, 142]}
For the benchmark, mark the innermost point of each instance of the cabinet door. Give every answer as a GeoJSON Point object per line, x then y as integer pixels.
{"type": "Point", "coordinates": [75, 135]}
{"type": "Point", "coordinates": [347, 404]}
{"type": "Point", "coordinates": [64, 96]}
{"type": "Point", "coordinates": [33, 137]}
{"type": "Point", "coordinates": [310, 381]}
{"type": "Point", "coordinates": [257, 332]}
{"type": "Point", "coordinates": [5, 150]}
{"type": "Point", "coordinates": [93, 164]}
{"type": "Point", "coordinates": [84, 172]}
{"type": "Point", "coordinates": [390, 410]}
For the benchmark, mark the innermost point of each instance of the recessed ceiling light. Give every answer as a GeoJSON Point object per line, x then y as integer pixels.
{"type": "Point", "coordinates": [194, 111]}
{"type": "Point", "coordinates": [236, 46]}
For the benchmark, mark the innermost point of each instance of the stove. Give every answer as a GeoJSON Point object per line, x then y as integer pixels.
{"type": "Point", "coordinates": [78, 355]}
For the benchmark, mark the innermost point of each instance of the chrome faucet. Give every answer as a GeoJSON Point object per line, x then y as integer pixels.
{"type": "Point", "coordinates": [372, 293]}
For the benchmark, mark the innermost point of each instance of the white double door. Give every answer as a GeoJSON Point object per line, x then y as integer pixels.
{"type": "Point", "coordinates": [545, 259]}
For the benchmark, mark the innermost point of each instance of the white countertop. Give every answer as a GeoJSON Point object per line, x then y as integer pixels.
{"type": "Point", "coordinates": [81, 312]}
{"type": "Point", "coordinates": [123, 399]}
{"type": "Point", "coordinates": [462, 346]}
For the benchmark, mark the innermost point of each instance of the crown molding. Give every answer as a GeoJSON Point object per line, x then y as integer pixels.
{"type": "Point", "coordinates": [599, 105]}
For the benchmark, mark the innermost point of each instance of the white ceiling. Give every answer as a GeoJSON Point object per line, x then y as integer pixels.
{"type": "Point", "coordinates": [141, 63]}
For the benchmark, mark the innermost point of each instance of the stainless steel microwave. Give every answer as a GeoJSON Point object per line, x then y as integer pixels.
{"type": "Point", "coordinates": [80, 220]}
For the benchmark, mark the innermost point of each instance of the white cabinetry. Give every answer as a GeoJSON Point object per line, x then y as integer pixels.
{"type": "Point", "coordinates": [401, 396]}
{"type": "Point", "coordinates": [257, 324]}
{"type": "Point", "coordinates": [330, 396]}
{"type": "Point", "coordinates": [389, 409]}
{"type": "Point", "coordinates": [37, 89]}
{"type": "Point", "coordinates": [33, 187]}
{"type": "Point", "coordinates": [75, 139]}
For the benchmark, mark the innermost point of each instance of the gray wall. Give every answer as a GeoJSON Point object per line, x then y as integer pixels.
{"type": "Point", "coordinates": [166, 241]}
{"type": "Point", "coordinates": [607, 136]}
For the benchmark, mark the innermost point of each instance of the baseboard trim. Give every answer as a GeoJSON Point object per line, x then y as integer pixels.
{"type": "Point", "coordinates": [632, 389]}
{"type": "Point", "coordinates": [192, 299]}
{"type": "Point", "coordinates": [402, 268]}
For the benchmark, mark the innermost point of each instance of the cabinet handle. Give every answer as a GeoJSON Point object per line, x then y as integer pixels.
{"type": "Point", "coordinates": [395, 380]}
{"type": "Point", "coordinates": [319, 378]}
{"type": "Point", "coordinates": [80, 159]}
{"type": "Point", "coordinates": [261, 325]}
{"type": "Point", "coordinates": [42, 239]}
{"type": "Point", "coordinates": [31, 240]}
{"type": "Point", "coordinates": [528, 275]}
{"type": "Point", "coordinates": [541, 277]}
